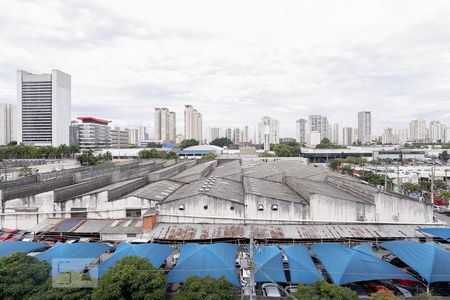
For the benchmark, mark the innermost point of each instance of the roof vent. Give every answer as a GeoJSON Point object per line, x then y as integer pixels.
{"type": "Point", "coordinates": [201, 190]}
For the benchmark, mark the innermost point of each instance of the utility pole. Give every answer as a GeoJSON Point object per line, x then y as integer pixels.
{"type": "Point", "coordinates": [252, 264]}
{"type": "Point", "coordinates": [385, 178]}
{"type": "Point", "coordinates": [398, 179]}
{"type": "Point", "coordinates": [432, 185]}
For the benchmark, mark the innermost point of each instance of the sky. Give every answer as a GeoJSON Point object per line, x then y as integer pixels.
{"type": "Point", "coordinates": [237, 61]}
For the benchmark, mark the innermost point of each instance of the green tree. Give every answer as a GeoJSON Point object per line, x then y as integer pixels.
{"type": "Point", "coordinates": [334, 163]}
{"type": "Point", "coordinates": [383, 295]}
{"type": "Point", "coordinates": [132, 277]}
{"type": "Point", "coordinates": [440, 185]}
{"type": "Point", "coordinates": [209, 156]}
{"type": "Point", "coordinates": [443, 156]}
{"type": "Point", "coordinates": [153, 153]}
{"type": "Point", "coordinates": [221, 142]}
{"type": "Point", "coordinates": [445, 194]}
{"type": "Point", "coordinates": [188, 143]}
{"type": "Point", "coordinates": [266, 154]}
{"type": "Point", "coordinates": [207, 288]}
{"type": "Point", "coordinates": [153, 145]}
{"type": "Point", "coordinates": [48, 292]}
{"type": "Point", "coordinates": [282, 150]}
{"type": "Point", "coordinates": [21, 276]}
{"type": "Point", "coordinates": [324, 290]}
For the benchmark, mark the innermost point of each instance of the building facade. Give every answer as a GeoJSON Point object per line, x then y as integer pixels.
{"type": "Point", "coordinates": [418, 131]}
{"type": "Point", "coordinates": [165, 125]}
{"type": "Point", "coordinates": [268, 132]}
{"type": "Point", "coordinates": [365, 127]}
{"type": "Point", "coordinates": [8, 120]}
{"type": "Point", "coordinates": [318, 123]}
{"type": "Point", "coordinates": [301, 131]}
{"type": "Point", "coordinates": [91, 134]}
{"type": "Point", "coordinates": [193, 127]}
{"type": "Point", "coordinates": [119, 138]}
{"type": "Point", "coordinates": [43, 108]}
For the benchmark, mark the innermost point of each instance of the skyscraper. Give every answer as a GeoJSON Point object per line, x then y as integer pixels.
{"type": "Point", "coordinates": [8, 120]}
{"type": "Point", "coordinates": [43, 108]}
{"type": "Point", "coordinates": [165, 125]}
{"type": "Point", "coordinates": [301, 131]}
{"type": "Point", "coordinates": [236, 135]}
{"type": "Point", "coordinates": [335, 134]}
{"type": "Point", "coordinates": [437, 132]}
{"type": "Point", "coordinates": [193, 128]}
{"type": "Point", "coordinates": [418, 131]}
{"type": "Point", "coordinates": [365, 127]}
{"type": "Point", "coordinates": [213, 133]}
{"type": "Point", "coordinates": [318, 123]}
{"type": "Point", "coordinates": [268, 132]}
{"type": "Point", "coordinates": [349, 136]}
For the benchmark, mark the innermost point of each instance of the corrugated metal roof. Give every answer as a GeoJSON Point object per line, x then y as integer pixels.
{"type": "Point", "coordinates": [157, 191]}
{"type": "Point", "coordinates": [194, 173]}
{"type": "Point", "coordinates": [66, 225]}
{"type": "Point", "coordinates": [228, 168]}
{"type": "Point", "coordinates": [90, 226]}
{"type": "Point", "coordinates": [177, 232]}
{"type": "Point", "coordinates": [123, 226]}
{"type": "Point", "coordinates": [271, 189]}
{"type": "Point", "coordinates": [46, 225]}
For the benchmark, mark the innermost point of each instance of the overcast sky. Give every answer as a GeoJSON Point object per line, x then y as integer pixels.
{"type": "Point", "coordinates": [237, 61]}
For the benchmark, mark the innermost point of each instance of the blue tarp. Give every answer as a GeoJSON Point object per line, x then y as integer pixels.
{"type": "Point", "coordinates": [10, 247]}
{"type": "Point", "coordinates": [430, 260]}
{"type": "Point", "coordinates": [443, 233]}
{"type": "Point", "coordinates": [345, 265]}
{"type": "Point", "coordinates": [155, 253]}
{"type": "Point", "coordinates": [72, 257]}
{"type": "Point", "coordinates": [268, 264]}
{"type": "Point", "coordinates": [366, 248]}
{"type": "Point", "coordinates": [301, 266]}
{"type": "Point", "coordinates": [213, 260]}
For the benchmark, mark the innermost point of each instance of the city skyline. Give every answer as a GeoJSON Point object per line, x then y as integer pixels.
{"type": "Point", "coordinates": [289, 69]}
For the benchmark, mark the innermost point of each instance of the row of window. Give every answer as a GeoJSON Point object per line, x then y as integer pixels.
{"type": "Point", "coordinates": [260, 207]}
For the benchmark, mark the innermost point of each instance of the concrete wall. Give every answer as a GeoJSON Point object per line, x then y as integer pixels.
{"type": "Point", "coordinates": [325, 208]}
{"type": "Point", "coordinates": [287, 211]}
{"type": "Point", "coordinates": [218, 211]}
{"type": "Point", "coordinates": [390, 208]}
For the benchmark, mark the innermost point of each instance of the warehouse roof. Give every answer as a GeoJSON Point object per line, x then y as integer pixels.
{"type": "Point", "coordinates": [260, 170]}
{"type": "Point", "coordinates": [157, 191]}
{"type": "Point", "coordinates": [270, 189]}
{"type": "Point", "coordinates": [215, 187]}
{"type": "Point", "coordinates": [123, 226]}
{"type": "Point", "coordinates": [226, 169]}
{"type": "Point", "coordinates": [194, 173]}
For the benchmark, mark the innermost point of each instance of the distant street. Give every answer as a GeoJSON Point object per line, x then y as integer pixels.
{"type": "Point", "coordinates": [443, 218]}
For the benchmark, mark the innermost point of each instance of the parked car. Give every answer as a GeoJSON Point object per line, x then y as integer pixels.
{"type": "Point", "coordinates": [7, 233]}
{"type": "Point", "coordinates": [18, 236]}
{"type": "Point", "coordinates": [271, 290]}
{"type": "Point", "coordinates": [29, 237]}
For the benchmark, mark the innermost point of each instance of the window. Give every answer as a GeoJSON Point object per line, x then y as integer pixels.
{"type": "Point", "coordinates": [78, 212]}
{"type": "Point", "coordinates": [205, 207]}
{"type": "Point", "coordinates": [260, 207]}
{"type": "Point", "coordinates": [231, 207]}
{"type": "Point", "coordinates": [181, 207]}
{"type": "Point", "coordinates": [133, 213]}
{"type": "Point", "coordinates": [274, 206]}
{"type": "Point", "coordinates": [131, 234]}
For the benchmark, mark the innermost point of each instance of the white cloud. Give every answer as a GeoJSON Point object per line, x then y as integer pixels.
{"type": "Point", "coordinates": [237, 61]}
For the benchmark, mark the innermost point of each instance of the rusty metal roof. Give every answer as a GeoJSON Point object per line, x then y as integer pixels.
{"type": "Point", "coordinates": [182, 232]}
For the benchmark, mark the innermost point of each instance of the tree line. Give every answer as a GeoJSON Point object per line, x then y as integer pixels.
{"type": "Point", "coordinates": [12, 151]}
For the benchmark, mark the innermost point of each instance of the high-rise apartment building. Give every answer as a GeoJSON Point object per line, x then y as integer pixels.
{"type": "Point", "coordinates": [349, 136]}
{"type": "Point", "coordinates": [229, 134]}
{"type": "Point", "coordinates": [165, 125]}
{"type": "Point", "coordinates": [301, 131]}
{"type": "Point", "coordinates": [119, 138]}
{"type": "Point", "coordinates": [193, 128]}
{"type": "Point", "coordinates": [389, 137]}
{"type": "Point", "coordinates": [418, 131]}
{"type": "Point", "coordinates": [245, 135]}
{"type": "Point", "coordinates": [437, 132]}
{"type": "Point", "coordinates": [318, 123]}
{"type": "Point", "coordinates": [268, 132]}
{"type": "Point", "coordinates": [90, 134]}
{"type": "Point", "coordinates": [402, 135]}
{"type": "Point", "coordinates": [133, 134]}
{"type": "Point", "coordinates": [335, 134]}
{"type": "Point", "coordinates": [213, 133]}
{"type": "Point", "coordinates": [8, 121]}
{"type": "Point", "coordinates": [236, 135]}
{"type": "Point", "coordinates": [365, 127]}
{"type": "Point", "coordinates": [43, 108]}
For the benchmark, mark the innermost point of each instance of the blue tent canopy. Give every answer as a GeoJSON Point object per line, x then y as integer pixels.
{"type": "Point", "coordinates": [72, 257]}
{"type": "Point", "coordinates": [345, 265]}
{"type": "Point", "coordinates": [366, 248]}
{"type": "Point", "coordinates": [268, 264]}
{"type": "Point", "coordinates": [10, 247]}
{"type": "Point", "coordinates": [301, 266]}
{"type": "Point", "coordinates": [443, 233]}
{"type": "Point", "coordinates": [215, 260]}
{"type": "Point", "coordinates": [430, 260]}
{"type": "Point", "coordinates": [155, 253]}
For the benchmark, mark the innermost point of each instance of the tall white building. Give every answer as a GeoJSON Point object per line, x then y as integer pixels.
{"type": "Point", "coordinates": [402, 135]}
{"type": "Point", "coordinates": [389, 137]}
{"type": "Point", "coordinates": [133, 136]}
{"type": "Point", "coordinates": [318, 123]}
{"type": "Point", "coordinates": [236, 135]}
{"type": "Point", "coordinates": [142, 134]}
{"type": "Point", "coordinates": [437, 132]}
{"type": "Point", "coordinates": [229, 134]}
{"type": "Point", "coordinates": [268, 132]}
{"type": "Point", "coordinates": [301, 131]}
{"type": "Point", "coordinates": [193, 128]}
{"type": "Point", "coordinates": [165, 125]}
{"type": "Point", "coordinates": [335, 134]}
{"type": "Point", "coordinates": [365, 127]}
{"type": "Point", "coordinates": [8, 122]}
{"type": "Point", "coordinates": [349, 136]}
{"type": "Point", "coordinates": [213, 133]}
{"type": "Point", "coordinates": [43, 108]}
{"type": "Point", "coordinates": [418, 131]}
{"type": "Point", "coordinates": [245, 135]}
